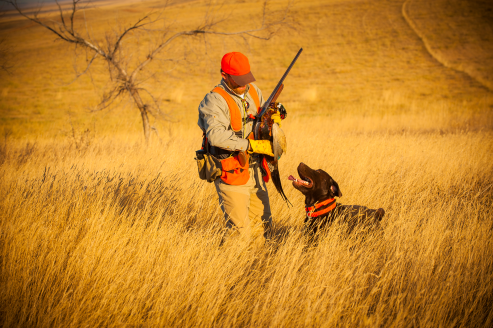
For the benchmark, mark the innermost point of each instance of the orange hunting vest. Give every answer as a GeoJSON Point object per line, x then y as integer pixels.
{"type": "Point", "coordinates": [233, 173]}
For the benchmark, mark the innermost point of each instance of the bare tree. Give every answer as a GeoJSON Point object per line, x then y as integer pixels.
{"type": "Point", "coordinates": [127, 79]}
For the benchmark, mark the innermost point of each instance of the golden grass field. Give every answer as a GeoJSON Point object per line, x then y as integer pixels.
{"type": "Point", "coordinates": [392, 98]}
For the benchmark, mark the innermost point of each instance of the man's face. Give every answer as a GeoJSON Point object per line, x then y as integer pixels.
{"type": "Point", "coordinates": [239, 90]}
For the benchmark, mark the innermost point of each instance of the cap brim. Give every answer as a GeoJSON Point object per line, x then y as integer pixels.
{"type": "Point", "coordinates": [243, 80]}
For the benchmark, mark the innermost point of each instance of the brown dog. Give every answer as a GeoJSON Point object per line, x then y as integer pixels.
{"type": "Point", "coordinates": [321, 208]}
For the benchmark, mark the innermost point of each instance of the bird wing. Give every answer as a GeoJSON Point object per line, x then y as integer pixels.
{"type": "Point", "coordinates": [279, 144]}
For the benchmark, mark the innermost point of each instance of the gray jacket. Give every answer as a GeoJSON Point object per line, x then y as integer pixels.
{"type": "Point", "coordinates": [215, 121]}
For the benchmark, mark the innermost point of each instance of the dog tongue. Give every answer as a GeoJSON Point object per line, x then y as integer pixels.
{"type": "Point", "coordinates": [296, 180]}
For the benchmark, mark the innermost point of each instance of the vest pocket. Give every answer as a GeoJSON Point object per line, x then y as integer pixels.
{"type": "Point", "coordinates": [208, 166]}
{"type": "Point", "coordinates": [233, 173]}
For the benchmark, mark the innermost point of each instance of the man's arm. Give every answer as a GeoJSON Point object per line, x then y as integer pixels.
{"type": "Point", "coordinates": [214, 119]}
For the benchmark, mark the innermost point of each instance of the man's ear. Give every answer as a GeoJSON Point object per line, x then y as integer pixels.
{"type": "Point", "coordinates": [335, 190]}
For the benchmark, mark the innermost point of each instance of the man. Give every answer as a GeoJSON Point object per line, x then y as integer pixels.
{"type": "Point", "coordinates": [226, 117]}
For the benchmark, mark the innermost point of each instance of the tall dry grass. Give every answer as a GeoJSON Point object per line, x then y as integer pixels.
{"type": "Point", "coordinates": [98, 230]}
{"type": "Point", "coordinates": [113, 234]}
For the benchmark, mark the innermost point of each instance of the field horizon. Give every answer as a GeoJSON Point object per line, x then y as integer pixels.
{"type": "Point", "coordinates": [392, 98]}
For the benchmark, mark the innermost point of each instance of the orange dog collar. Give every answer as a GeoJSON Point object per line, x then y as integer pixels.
{"type": "Point", "coordinates": [312, 213]}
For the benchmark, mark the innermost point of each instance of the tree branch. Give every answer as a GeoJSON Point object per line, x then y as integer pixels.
{"type": "Point", "coordinates": [109, 97]}
{"type": "Point", "coordinates": [74, 8]}
{"type": "Point", "coordinates": [133, 27]}
{"type": "Point", "coordinates": [85, 71]}
{"type": "Point", "coordinates": [61, 12]}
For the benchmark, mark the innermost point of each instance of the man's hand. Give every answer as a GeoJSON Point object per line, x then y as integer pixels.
{"type": "Point", "coordinates": [280, 113]}
{"type": "Point", "coordinates": [261, 147]}
{"type": "Point", "coordinates": [276, 117]}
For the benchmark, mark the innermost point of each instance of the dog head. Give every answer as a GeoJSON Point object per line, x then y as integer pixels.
{"type": "Point", "coordinates": [316, 185]}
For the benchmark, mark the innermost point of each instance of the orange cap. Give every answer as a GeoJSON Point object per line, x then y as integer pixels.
{"type": "Point", "coordinates": [236, 64]}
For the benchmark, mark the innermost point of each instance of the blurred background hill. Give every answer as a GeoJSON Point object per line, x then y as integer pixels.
{"type": "Point", "coordinates": [362, 58]}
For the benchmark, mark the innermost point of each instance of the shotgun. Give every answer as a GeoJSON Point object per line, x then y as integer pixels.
{"type": "Point", "coordinates": [242, 155]}
{"type": "Point", "coordinates": [275, 94]}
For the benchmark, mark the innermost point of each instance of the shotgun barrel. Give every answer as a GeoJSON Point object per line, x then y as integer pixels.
{"type": "Point", "coordinates": [277, 89]}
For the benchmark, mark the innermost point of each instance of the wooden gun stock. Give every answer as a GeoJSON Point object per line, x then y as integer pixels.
{"type": "Point", "coordinates": [277, 94]}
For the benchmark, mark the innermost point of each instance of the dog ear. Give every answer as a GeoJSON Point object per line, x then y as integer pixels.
{"type": "Point", "coordinates": [336, 191]}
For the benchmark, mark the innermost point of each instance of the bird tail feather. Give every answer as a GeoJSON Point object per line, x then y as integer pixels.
{"type": "Point", "coordinates": [276, 179]}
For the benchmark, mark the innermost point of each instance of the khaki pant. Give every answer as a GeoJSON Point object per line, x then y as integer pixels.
{"type": "Point", "coordinates": [246, 208]}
